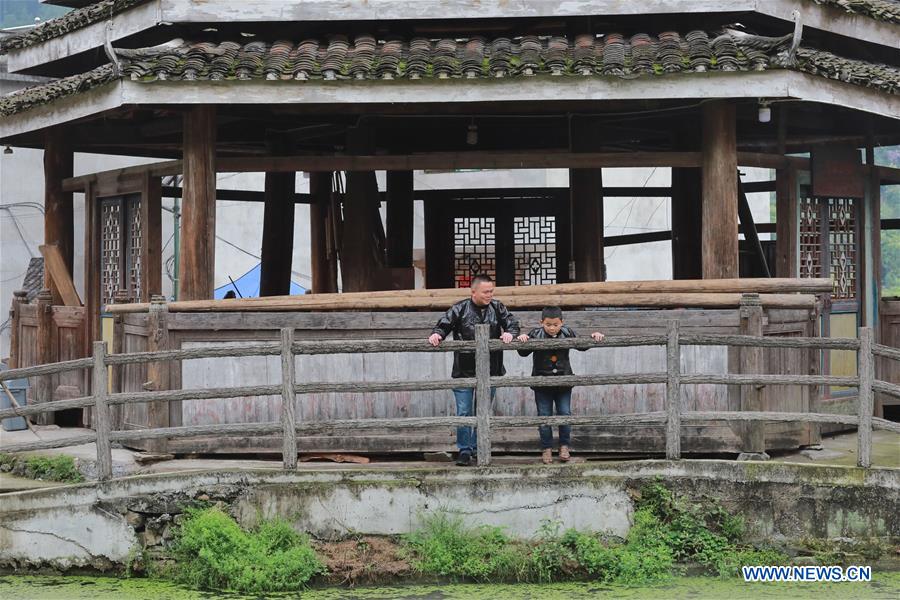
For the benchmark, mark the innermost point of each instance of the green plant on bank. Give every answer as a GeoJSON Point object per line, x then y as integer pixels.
{"type": "Point", "coordinates": [48, 468]}
{"type": "Point", "coordinates": [211, 551]}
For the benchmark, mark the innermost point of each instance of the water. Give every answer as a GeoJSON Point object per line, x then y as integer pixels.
{"type": "Point", "coordinates": [885, 586]}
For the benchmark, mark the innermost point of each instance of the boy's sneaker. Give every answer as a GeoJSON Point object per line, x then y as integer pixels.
{"type": "Point", "coordinates": [547, 456]}
{"type": "Point", "coordinates": [464, 459]}
{"type": "Point", "coordinates": [564, 453]}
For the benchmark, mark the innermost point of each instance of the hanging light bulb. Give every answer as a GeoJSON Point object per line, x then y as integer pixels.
{"type": "Point", "coordinates": [7, 150]}
{"type": "Point", "coordinates": [472, 134]}
{"type": "Point", "coordinates": [765, 112]}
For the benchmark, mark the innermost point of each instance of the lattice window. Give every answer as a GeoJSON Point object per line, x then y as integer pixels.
{"type": "Point", "coordinates": [810, 237]}
{"type": "Point", "coordinates": [134, 250]}
{"type": "Point", "coordinates": [111, 250]}
{"type": "Point", "coordinates": [474, 249]}
{"type": "Point", "coordinates": [842, 246]}
{"type": "Point", "coordinates": [534, 240]}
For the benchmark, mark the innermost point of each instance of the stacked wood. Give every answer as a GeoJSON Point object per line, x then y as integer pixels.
{"type": "Point", "coordinates": [715, 293]}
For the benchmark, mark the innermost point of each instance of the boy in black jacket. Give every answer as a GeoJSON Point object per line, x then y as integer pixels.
{"type": "Point", "coordinates": [549, 363]}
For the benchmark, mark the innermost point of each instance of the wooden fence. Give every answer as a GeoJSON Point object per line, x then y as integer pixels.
{"type": "Point", "coordinates": [751, 382]}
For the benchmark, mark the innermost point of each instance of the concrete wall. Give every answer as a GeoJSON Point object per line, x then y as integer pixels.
{"type": "Point", "coordinates": [99, 524]}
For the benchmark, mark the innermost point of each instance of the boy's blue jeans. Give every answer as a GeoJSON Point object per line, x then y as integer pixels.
{"type": "Point", "coordinates": [546, 398]}
{"type": "Point", "coordinates": [465, 407]}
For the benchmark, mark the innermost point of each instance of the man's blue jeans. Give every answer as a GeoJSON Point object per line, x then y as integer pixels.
{"type": "Point", "coordinates": [465, 407]}
{"type": "Point", "coordinates": [546, 398]}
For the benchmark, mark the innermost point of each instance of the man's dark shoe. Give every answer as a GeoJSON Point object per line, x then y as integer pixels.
{"type": "Point", "coordinates": [464, 459]}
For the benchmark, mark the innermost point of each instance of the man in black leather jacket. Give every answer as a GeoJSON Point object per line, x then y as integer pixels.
{"type": "Point", "coordinates": [460, 320]}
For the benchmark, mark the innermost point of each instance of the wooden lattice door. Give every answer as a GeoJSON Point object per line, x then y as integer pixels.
{"type": "Point", "coordinates": [120, 248]}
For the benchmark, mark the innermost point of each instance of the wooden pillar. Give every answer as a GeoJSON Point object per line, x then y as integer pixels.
{"type": "Point", "coordinates": [787, 226]}
{"type": "Point", "coordinates": [198, 211]}
{"type": "Point", "coordinates": [399, 219]}
{"type": "Point", "coordinates": [359, 248]}
{"type": "Point", "coordinates": [59, 224]}
{"type": "Point", "coordinates": [687, 224]}
{"type": "Point", "coordinates": [753, 433]}
{"type": "Point", "coordinates": [586, 188]}
{"type": "Point", "coordinates": [720, 186]}
{"type": "Point", "coordinates": [323, 246]}
{"type": "Point", "coordinates": [151, 247]}
{"type": "Point", "coordinates": [43, 385]}
{"type": "Point", "coordinates": [19, 298]}
{"type": "Point", "coordinates": [92, 269]}
{"type": "Point", "coordinates": [278, 233]}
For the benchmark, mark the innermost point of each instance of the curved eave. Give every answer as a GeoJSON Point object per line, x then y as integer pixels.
{"type": "Point", "coordinates": [698, 86]}
{"type": "Point", "coordinates": [162, 13]}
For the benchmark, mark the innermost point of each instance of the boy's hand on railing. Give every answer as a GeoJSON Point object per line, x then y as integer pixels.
{"type": "Point", "coordinates": [522, 338]}
{"type": "Point", "coordinates": [597, 336]}
{"type": "Point", "coordinates": [506, 337]}
{"type": "Point", "coordinates": [435, 339]}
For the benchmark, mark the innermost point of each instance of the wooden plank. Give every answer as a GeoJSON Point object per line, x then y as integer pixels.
{"type": "Point", "coordinates": [151, 231]}
{"type": "Point", "coordinates": [483, 404]}
{"type": "Point", "coordinates": [99, 380]}
{"type": "Point", "coordinates": [866, 398]}
{"type": "Point", "coordinates": [198, 211]}
{"type": "Point", "coordinates": [719, 185]}
{"type": "Point", "coordinates": [15, 333]}
{"type": "Point", "coordinates": [288, 401]}
{"type": "Point", "coordinates": [673, 393]}
{"type": "Point", "coordinates": [55, 267]}
{"type": "Point", "coordinates": [787, 223]}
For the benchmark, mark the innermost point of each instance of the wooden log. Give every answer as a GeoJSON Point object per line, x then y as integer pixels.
{"type": "Point", "coordinates": [776, 417]}
{"type": "Point", "coordinates": [194, 353]}
{"type": "Point", "coordinates": [753, 437]}
{"type": "Point", "coordinates": [99, 380]}
{"type": "Point", "coordinates": [157, 371]}
{"type": "Point", "coordinates": [885, 425]}
{"type": "Point", "coordinates": [56, 405]}
{"type": "Point", "coordinates": [886, 351]}
{"type": "Point", "coordinates": [884, 387]}
{"type": "Point", "coordinates": [64, 442]}
{"type": "Point", "coordinates": [628, 419]}
{"type": "Point", "coordinates": [277, 251]}
{"type": "Point", "coordinates": [786, 223]}
{"type": "Point", "coordinates": [151, 231]}
{"type": "Point", "coordinates": [323, 246]}
{"type": "Point", "coordinates": [719, 164]}
{"type": "Point", "coordinates": [327, 387]}
{"type": "Point", "coordinates": [535, 301]}
{"type": "Point", "coordinates": [199, 394]}
{"type": "Point", "coordinates": [400, 215]}
{"type": "Point", "coordinates": [483, 404]}
{"type": "Point", "coordinates": [736, 379]}
{"type": "Point", "coordinates": [198, 211]}
{"type": "Point", "coordinates": [576, 380]}
{"type": "Point", "coordinates": [60, 278]}
{"type": "Point", "coordinates": [718, 339]}
{"type": "Point", "coordinates": [288, 402]}
{"type": "Point", "coordinates": [866, 398]}
{"type": "Point", "coordinates": [47, 369]}
{"type": "Point", "coordinates": [673, 393]}
{"type": "Point", "coordinates": [19, 298]}
{"type": "Point", "coordinates": [59, 223]}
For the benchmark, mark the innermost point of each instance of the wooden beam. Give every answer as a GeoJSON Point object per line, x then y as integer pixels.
{"type": "Point", "coordinates": [637, 238]}
{"type": "Point", "coordinates": [787, 223]}
{"type": "Point", "coordinates": [278, 234]}
{"type": "Point", "coordinates": [59, 225]}
{"type": "Point", "coordinates": [92, 268]}
{"type": "Point", "coordinates": [323, 246]}
{"type": "Point", "coordinates": [198, 216]}
{"type": "Point", "coordinates": [719, 185]}
{"type": "Point", "coordinates": [399, 219]}
{"type": "Point", "coordinates": [55, 268]}
{"type": "Point", "coordinates": [751, 235]}
{"type": "Point", "coordinates": [586, 187]}
{"type": "Point", "coordinates": [151, 230]}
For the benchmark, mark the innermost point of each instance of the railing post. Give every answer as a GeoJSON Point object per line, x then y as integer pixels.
{"type": "Point", "coordinates": [99, 389]}
{"type": "Point", "coordinates": [673, 392]}
{"type": "Point", "coordinates": [483, 394]}
{"type": "Point", "coordinates": [157, 372]}
{"type": "Point", "coordinates": [43, 384]}
{"type": "Point", "coordinates": [288, 406]}
{"type": "Point", "coordinates": [866, 397]}
{"type": "Point", "coordinates": [753, 433]}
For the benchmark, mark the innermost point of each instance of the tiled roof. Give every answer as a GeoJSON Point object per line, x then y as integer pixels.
{"type": "Point", "coordinates": [34, 278]}
{"type": "Point", "coordinates": [366, 58]}
{"type": "Point", "coordinates": [72, 20]}
{"type": "Point", "coordinates": [882, 10]}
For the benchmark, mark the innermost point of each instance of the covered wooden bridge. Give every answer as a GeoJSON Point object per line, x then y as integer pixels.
{"type": "Point", "coordinates": [342, 90]}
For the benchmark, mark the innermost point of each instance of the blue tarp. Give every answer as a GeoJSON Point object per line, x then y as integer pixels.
{"type": "Point", "coordinates": [248, 285]}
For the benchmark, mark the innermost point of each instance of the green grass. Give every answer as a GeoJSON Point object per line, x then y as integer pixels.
{"type": "Point", "coordinates": [48, 468]}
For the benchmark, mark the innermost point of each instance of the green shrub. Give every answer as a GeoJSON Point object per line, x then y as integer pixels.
{"type": "Point", "coordinates": [48, 468]}
{"type": "Point", "coordinates": [213, 552]}
{"type": "Point", "coordinates": [550, 557]}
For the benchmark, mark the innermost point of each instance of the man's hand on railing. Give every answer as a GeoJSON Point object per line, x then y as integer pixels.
{"type": "Point", "coordinates": [522, 338]}
{"type": "Point", "coordinates": [597, 336]}
{"type": "Point", "coordinates": [435, 339]}
{"type": "Point", "coordinates": [506, 337]}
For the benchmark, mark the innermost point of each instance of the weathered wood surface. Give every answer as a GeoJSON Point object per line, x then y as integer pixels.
{"type": "Point", "coordinates": [700, 339]}
{"type": "Point", "coordinates": [739, 379]}
{"type": "Point", "coordinates": [483, 401]}
{"type": "Point", "coordinates": [198, 211]}
{"type": "Point", "coordinates": [885, 425]}
{"type": "Point", "coordinates": [288, 403]}
{"type": "Point", "coordinates": [753, 435]}
{"type": "Point", "coordinates": [151, 231]}
{"type": "Point", "coordinates": [59, 274]}
{"type": "Point", "coordinates": [190, 354]}
{"type": "Point", "coordinates": [36, 409]}
{"type": "Point", "coordinates": [886, 351]}
{"type": "Point", "coordinates": [887, 388]}
{"type": "Point", "coordinates": [786, 223]}
{"type": "Point", "coordinates": [59, 222]}
{"type": "Point", "coordinates": [99, 382]}
{"type": "Point", "coordinates": [64, 442]}
{"type": "Point", "coordinates": [278, 231]}
{"type": "Point", "coordinates": [695, 416]}
{"type": "Point", "coordinates": [887, 367]}
{"type": "Point", "coordinates": [157, 378]}
{"type": "Point", "coordinates": [673, 393]}
{"type": "Point", "coordinates": [866, 399]}
{"type": "Point", "coordinates": [49, 369]}
{"type": "Point", "coordinates": [719, 186]}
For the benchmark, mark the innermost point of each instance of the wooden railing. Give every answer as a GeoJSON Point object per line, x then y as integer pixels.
{"type": "Point", "coordinates": [672, 417]}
